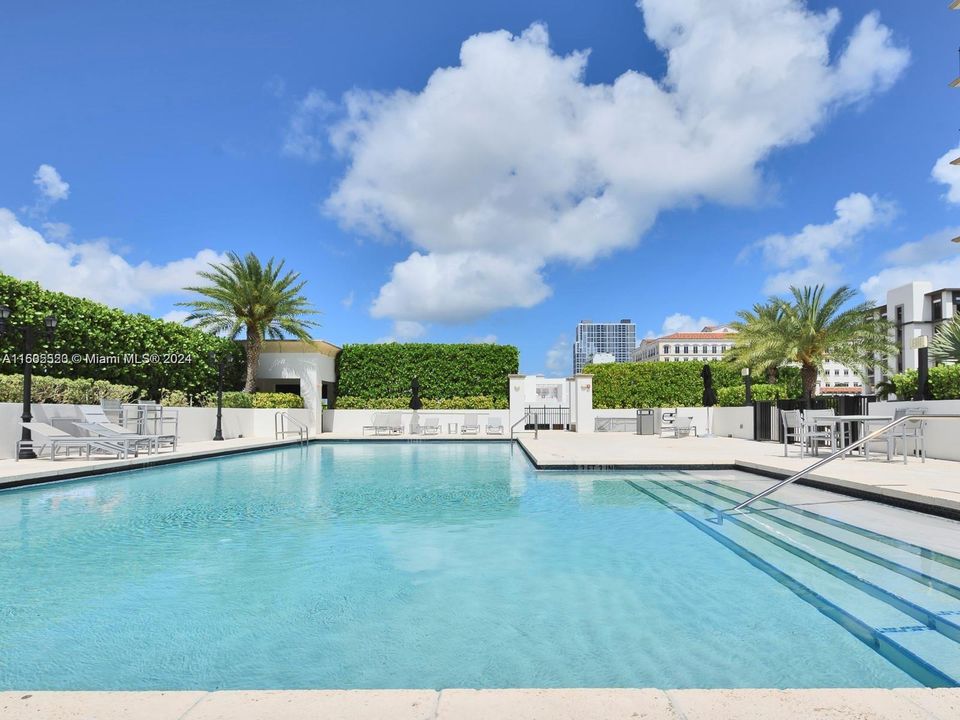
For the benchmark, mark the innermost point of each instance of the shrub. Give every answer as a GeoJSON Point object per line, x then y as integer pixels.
{"type": "Point", "coordinates": [737, 394]}
{"type": "Point", "coordinates": [944, 383]}
{"type": "Point", "coordinates": [445, 371]}
{"type": "Point", "coordinates": [80, 391]}
{"type": "Point", "coordinates": [277, 400]}
{"type": "Point", "coordinates": [635, 385]}
{"type": "Point", "coordinates": [97, 334]}
{"type": "Point", "coordinates": [476, 402]}
{"type": "Point", "coordinates": [233, 399]}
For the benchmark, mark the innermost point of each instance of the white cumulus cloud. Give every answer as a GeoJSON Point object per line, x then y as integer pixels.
{"type": "Point", "coordinates": [949, 175]}
{"type": "Point", "coordinates": [679, 322]}
{"type": "Point", "coordinates": [52, 187]}
{"type": "Point", "coordinates": [933, 259]}
{"type": "Point", "coordinates": [809, 257]}
{"type": "Point", "coordinates": [559, 359]}
{"type": "Point", "coordinates": [92, 269]}
{"type": "Point", "coordinates": [304, 135]}
{"type": "Point", "coordinates": [510, 161]}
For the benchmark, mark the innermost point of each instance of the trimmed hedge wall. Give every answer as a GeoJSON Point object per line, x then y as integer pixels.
{"type": "Point", "coordinates": [257, 400]}
{"type": "Point", "coordinates": [80, 391]}
{"type": "Point", "coordinates": [656, 384]}
{"type": "Point", "coordinates": [477, 402]}
{"type": "Point", "coordinates": [944, 383]}
{"type": "Point", "coordinates": [737, 395]}
{"type": "Point", "coordinates": [383, 371]}
{"type": "Point", "coordinates": [97, 333]}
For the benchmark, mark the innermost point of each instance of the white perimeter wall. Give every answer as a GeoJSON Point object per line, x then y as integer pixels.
{"type": "Point", "coordinates": [942, 436]}
{"type": "Point", "coordinates": [724, 421]}
{"type": "Point", "coordinates": [195, 424]}
{"type": "Point", "coordinates": [352, 422]}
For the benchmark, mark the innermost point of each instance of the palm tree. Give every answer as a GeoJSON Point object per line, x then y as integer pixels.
{"type": "Point", "coordinates": [807, 328]}
{"type": "Point", "coordinates": [946, 343]}
{"type": "Point", "coordinates": [243, 293]}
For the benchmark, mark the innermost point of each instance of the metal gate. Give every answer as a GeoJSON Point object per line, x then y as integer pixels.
{"type": "Point", "coordinates": [763, 420]}
{"type": "Point", "coordinates": [548, 417]}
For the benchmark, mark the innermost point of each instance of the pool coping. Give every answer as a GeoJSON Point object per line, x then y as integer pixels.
{"type": "Point", "coordinates": [473, 704]}
{"type": "Point", "coordinates": [939, 507]}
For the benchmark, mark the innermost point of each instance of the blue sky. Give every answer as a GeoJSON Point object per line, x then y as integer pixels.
{"type": "Point", "coordinates": [696, 159]}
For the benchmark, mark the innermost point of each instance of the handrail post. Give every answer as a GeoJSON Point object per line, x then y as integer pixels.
{"type": "Point", "coordinates": [833, 456]}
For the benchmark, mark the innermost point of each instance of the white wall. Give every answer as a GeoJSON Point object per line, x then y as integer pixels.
{"type": "Point", "coordinates": [352, 422]}
{"type": "Point", "coordinates": [195, 424]}
{"type": "Point", "coordinates": [724, 421]}
{"type": "Point", "coordinates": [941, 435]}
{"type": "Point", "coordinates": [312, 369]}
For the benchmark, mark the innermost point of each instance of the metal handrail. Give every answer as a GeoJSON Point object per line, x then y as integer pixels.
{"type": "Point", "coordinates": [833, 456]}
{"type": "Point", "coordinates": [526, 416]}
{"type": "Point", "coordinates": [280, 418]}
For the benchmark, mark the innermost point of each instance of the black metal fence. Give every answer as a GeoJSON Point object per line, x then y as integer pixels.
{"type": "Point", "coordinates": [766, 415]}
{"type": "Point", "coordinates": [548, 417]}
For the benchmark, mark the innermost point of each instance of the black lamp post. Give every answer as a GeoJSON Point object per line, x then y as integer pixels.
{"type": "Point", "coordinates": [217, 360]}
{"type": "Point", "coordinates": [748, 384]}
{"type": "Point", "coordinates": [29, 334]}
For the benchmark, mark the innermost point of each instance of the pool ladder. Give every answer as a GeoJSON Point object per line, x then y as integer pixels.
{"type": "Point", "coordinates": [280, 431]}
{"type": "Point", "coordinates": [830, 458]}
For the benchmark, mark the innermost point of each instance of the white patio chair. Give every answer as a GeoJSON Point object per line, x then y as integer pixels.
{"type": "Point", "coordinates": [60, 439]}
{"type": "Point", "coordinates": [470, 425]}
{"type": "Point", "coordinates": [911, 430]}
{"type": "Point", "coordinates": [394, 423]}
{"type": "Point", "coordinates": [813, 434]}
{"type": "Point", "coordinates": [494, 426]}
{"type": "Point", "coordinates": [792, 430]}
{"type": "Point", "coordinates": [431, 426]}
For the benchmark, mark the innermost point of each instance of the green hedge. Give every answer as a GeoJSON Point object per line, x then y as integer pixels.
{"type": "Point", "coordinates": [277, 400]}
{"type": "Point", "coordinates": [257, 400]}
{"type": "Point", "coordinates": [94, 331]}
{"type": "Point", "coordinates": [80, 391]}
{"type": "Point", "coordinates": [737, 394]}
{"type": "Point", "coordinates": [445, 371]}
{"type": "Point", "coordinates": [476, 402]}
{"type": "Point", "coordinates": [655, 384]}
{"type": "Point", "coordinates": [944, 383]}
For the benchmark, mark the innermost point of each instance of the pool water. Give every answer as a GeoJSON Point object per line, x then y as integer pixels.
{"type": "Point", "coordinates": [393, 565]}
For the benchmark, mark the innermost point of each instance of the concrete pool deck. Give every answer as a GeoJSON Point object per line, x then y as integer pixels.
{"type": "Point", "coordinates": [933, 486]}
{"type": "Point", "coordinates": [457, 704]}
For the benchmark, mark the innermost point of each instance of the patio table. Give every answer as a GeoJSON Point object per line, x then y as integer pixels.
{"type": "Point", "coordinates": [841, 425]}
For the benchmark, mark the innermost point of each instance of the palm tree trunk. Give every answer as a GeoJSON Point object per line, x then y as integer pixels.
{"type": "Point", "coordinates": [808, 373]}
{"type": "Point", "coordinates": [254, 346]}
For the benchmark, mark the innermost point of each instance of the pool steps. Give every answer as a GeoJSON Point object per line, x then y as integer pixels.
{"type": "Point", "coordinates": [900, 599]}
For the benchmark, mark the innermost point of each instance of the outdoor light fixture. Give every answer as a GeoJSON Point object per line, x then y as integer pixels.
{"type": "Point", "coordinates": [216, 360]}
{"type": "Point", "coordinates": [29, 337]}
{"type": "Point", "coordinates": [748, 381]}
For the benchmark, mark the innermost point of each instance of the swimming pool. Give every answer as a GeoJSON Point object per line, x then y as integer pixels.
{"type": "Point", "coordinates": [396, 565]}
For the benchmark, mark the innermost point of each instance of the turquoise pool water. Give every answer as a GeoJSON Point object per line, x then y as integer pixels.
{"type": "Point", "coordinates": [393, 565]}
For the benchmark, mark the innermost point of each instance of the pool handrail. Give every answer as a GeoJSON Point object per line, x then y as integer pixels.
{"type": "Point", "coordinates": [301, 430]}
{"type": "Point", "coordinates": [833, 456]}
{"type": "Point", "coordinates": [526, 416]}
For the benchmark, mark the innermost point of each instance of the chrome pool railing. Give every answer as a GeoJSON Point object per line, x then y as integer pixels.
{"type": "Point", "coordinates": [833, 456]}
{"type": "Point", "coordinates": [526, 417]}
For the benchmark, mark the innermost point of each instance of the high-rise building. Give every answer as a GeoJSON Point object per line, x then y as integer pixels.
{"type": "Point", "coordinates": [615, 338]}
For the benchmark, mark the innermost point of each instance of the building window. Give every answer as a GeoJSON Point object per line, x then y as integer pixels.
{"type": "Point", "coordinates": [938, 308]}
{"type": "Point", "coordinates": [686, 349]}
{"type": "Point", "coordinates": [899, 335]}
{"type": "Point", "coordinates": [714, 349]}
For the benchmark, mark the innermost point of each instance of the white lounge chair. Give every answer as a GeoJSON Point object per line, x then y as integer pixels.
{"type": "Point", "coordinates": [791, 429]}
{"type": "Point", "coordinates": [394, 423]}
{"type": "Point", "coordinates": [378, 424]}
{"type": "Point", "coordinates": [102, 426]}
{"type": "Point", "coordinates": [470, 425]}
{"type": "Point", "coordinates": [494, 426]}
{"type": "Point", "coordinates": [431, 426]}
{"type": "Point", "coordinates": [61, 440]}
